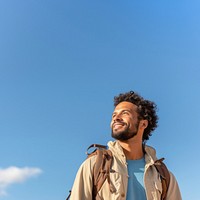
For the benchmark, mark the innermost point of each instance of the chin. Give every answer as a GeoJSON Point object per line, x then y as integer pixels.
{"type": "Point", "coordinates": [123, 135]}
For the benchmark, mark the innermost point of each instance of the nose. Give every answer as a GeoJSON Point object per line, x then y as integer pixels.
{"type": "Point", "coordinates": [117, 117]}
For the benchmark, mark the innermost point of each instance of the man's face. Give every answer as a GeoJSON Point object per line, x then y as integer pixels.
{"type": "Point", "coordinates": [124, 124]}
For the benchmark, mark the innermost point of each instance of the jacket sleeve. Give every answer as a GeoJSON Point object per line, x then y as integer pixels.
{"type": "Point", "coordinates": [82, 187]}
{"type": "Point", "coordinates": [173, 190]}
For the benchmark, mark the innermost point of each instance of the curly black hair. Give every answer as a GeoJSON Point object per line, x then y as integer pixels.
{"type": "Point", "coordinates": [146, 110]}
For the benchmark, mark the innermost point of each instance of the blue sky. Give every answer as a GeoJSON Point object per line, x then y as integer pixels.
{"type": "Point", "coordinates": [61, 64]}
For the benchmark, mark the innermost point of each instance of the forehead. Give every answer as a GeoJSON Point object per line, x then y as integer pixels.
{"type": "Point", "coordinates": [125, 106]}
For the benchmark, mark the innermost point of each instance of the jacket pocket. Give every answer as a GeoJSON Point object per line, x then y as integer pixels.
{"type": "Point", "coordinates": [120, 182]}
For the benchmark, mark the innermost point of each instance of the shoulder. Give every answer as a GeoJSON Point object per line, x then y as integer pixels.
{"type": "Point", "coordinates": [172, 178]}
{"type": "Point", "coordinates": [85, 170]}
{"type": "Point", "coordinates": [173, 190]}
{"type": "Point", "coordinates": [89, 161]}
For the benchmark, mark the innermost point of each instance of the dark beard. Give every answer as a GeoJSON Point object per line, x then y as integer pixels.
{"type": "Point", "coordinates": [125, 134]}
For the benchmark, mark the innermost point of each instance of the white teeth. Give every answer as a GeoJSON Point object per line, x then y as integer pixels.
{"type": "Point", "coordinates": [118, 125]}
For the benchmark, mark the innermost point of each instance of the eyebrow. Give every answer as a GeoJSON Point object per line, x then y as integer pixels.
{"type": "Point", "coordinates": [123, 111]}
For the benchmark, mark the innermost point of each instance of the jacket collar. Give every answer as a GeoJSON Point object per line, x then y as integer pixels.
{"type": "Point", "coordinates": [150, 152]}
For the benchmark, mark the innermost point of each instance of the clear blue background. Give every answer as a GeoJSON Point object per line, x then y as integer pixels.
{"type": "Point", "coordinates": [63, 61]}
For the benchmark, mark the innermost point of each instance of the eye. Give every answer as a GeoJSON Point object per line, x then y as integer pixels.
{"type": "Point", "coordinates": [113, 115]}
{"type": "Point", "coordinates": [125, 112]}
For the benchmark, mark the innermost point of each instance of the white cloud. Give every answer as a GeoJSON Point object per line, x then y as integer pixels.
{"type": "Point", "coordinates": [14, 174]}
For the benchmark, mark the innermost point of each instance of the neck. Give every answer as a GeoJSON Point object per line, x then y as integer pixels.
{"type": "Point", "coordinates": [133, 150]}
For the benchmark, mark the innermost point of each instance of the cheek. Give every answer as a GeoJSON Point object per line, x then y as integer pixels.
{"type": "Point", "coordinates": [111, 123]}
{"type": "Point", "coordinates": [134, 125]}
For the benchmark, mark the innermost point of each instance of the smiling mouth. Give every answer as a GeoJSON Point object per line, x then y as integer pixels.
{"type": "Point", "coordinates": [117, 125]}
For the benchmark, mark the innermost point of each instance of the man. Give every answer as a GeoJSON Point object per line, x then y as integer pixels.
{"type": "Point", "coordinates": [134, 176]}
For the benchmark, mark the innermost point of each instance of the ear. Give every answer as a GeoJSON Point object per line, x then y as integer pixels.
{"type": "Point", "coordinates": [144, 123]}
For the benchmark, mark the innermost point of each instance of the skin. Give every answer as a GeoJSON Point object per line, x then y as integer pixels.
{"type": "Point", "coordinates": [128, 129]}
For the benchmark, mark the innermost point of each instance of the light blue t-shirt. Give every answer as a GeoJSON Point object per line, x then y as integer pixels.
{"type": "Point", "coordinates": [136, 189]}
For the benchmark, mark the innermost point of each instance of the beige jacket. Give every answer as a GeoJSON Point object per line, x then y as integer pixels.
{"type": "Point", "coordinates": [82, 188]}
